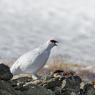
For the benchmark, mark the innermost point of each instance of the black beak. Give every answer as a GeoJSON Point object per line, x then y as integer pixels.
{"type": "Point", "coordinates": [56, 43]}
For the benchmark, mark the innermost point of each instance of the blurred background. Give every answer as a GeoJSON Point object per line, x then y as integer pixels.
{"type": "Point", "coordinates": [26, 24]}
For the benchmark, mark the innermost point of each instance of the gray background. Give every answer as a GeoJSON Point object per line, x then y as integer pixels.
{"type": "Point", "coordinates": [26, 24]}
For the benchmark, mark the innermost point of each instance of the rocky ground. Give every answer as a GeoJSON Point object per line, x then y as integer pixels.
{"type": "Point", "coordinates": [56, 83]}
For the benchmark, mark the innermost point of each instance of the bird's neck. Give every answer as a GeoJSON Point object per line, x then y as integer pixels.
{"type": "Point", "coordinates": [47, 47]}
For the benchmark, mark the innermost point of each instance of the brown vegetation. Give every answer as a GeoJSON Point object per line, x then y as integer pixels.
{"type": "Point", "coordinates": [59, 64]}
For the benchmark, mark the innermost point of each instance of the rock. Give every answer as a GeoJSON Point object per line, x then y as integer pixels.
{"type": "Point", "coordinates": [72, 84]}
{"type": "Point", "coordinates": [22, 80]}
{"type": "Point", "coordinates": [57, 91]}
{"type": "Point", "coordinates": [53, 83]}
{"type": "Point", "coordinates": [64, 85]}
{"type": "Point", "coordinates": [58, 83]}
{"type": "Point", "coordinates": [4, 92]}
{"type": "Point", "coordinates": [89, 89]}
{"type": "Point", "coordinates": [81, 92]}
{"type": "Point", "coordinates": [73, 93]}
{"type": "Point", "coordinates": [38, 90]}
{"type": "Point", "coordinates": [29, 87]}
{"type": "Point", "coordinates": [6, 88]}
{"type": "Point", "coordinates": [58, 73]}
{"type": "Point", "coordinates": [5, 73]}
{"type": "Point", "coordinates": [19, 83]}
{"type": "Point", "coordinates": [93, 82]}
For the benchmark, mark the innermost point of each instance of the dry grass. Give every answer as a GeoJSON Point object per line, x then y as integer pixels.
{"type": "Point", "coordinates": [58, 63]}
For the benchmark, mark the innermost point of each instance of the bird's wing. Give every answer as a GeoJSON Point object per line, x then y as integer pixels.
{"type": "Point", "coordinates": [25, 59]}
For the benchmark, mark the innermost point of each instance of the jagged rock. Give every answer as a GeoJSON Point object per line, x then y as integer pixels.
{"type": "Point", "coordinates": [73, 93]}
{"type": "Point", "coordinates": [29, 87]}
{"type": "Point", "coordinates": [58, 73]}
{"type": "Point", "coordinates": [7, 89]}
{"type": "Point", "coordinates": [53, 83]}
{"type": "Point", "coordinates": [5, 73]}
{"type": "Point", "coordinates": [23, 83]}
{"type": "Point", "coordinates": [58, 83]}
{"type": "Point", "coordinates": [89, 89]}
{"type": "Point", "coordinates": [81, 92]}
{"type": "Point", "coordinates": [72, 84]}
{"type": "Point", "coordinates": [19, 82]}
{"type": "Point", "coordinates": [93, 82]}
{"type": "Point", "coordinates": [22, 86]}
{"type": "Point", "coordinates": [64, 85]}
{"type": "Point", "coordinates": [38, 90]}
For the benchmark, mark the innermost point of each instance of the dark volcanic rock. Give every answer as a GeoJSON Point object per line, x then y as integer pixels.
{"type": "Point", "coordinates": [5, 73]}
{"type": "Point", "coordinates": [37, 90]}
{"type": "Point", "coordinates": [7, 89]}
{"type": "Point", "coordinates": [73, 84]}
{"type": "Point", "coordinates": [58, 83]}
{"type": "Point", "coordinates": [27, 86]}
{"type": "Point", "coordinates": [53, 83]}
{"type": "Point", "coordinates": [19, 83]}
{"type": "Point", "coordinates": [89, 89]}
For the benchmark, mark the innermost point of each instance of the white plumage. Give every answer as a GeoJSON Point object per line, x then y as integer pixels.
{"type": "Point", "coordinates": [33, 61]}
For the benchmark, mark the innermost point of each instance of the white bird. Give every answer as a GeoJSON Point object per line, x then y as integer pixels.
{"type": "Point", "coordinates": [33, 61]}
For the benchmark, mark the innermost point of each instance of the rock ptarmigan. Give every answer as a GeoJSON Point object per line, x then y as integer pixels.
{"type": "Point", "coordinates": [33, 61]}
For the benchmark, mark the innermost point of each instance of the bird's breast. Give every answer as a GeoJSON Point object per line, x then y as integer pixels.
{"type": "Point", "coordinates": [35, 63]}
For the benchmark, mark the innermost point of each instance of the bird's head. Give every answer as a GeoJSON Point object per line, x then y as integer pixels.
{"type": "Point", "coordinates": [52, 42]}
